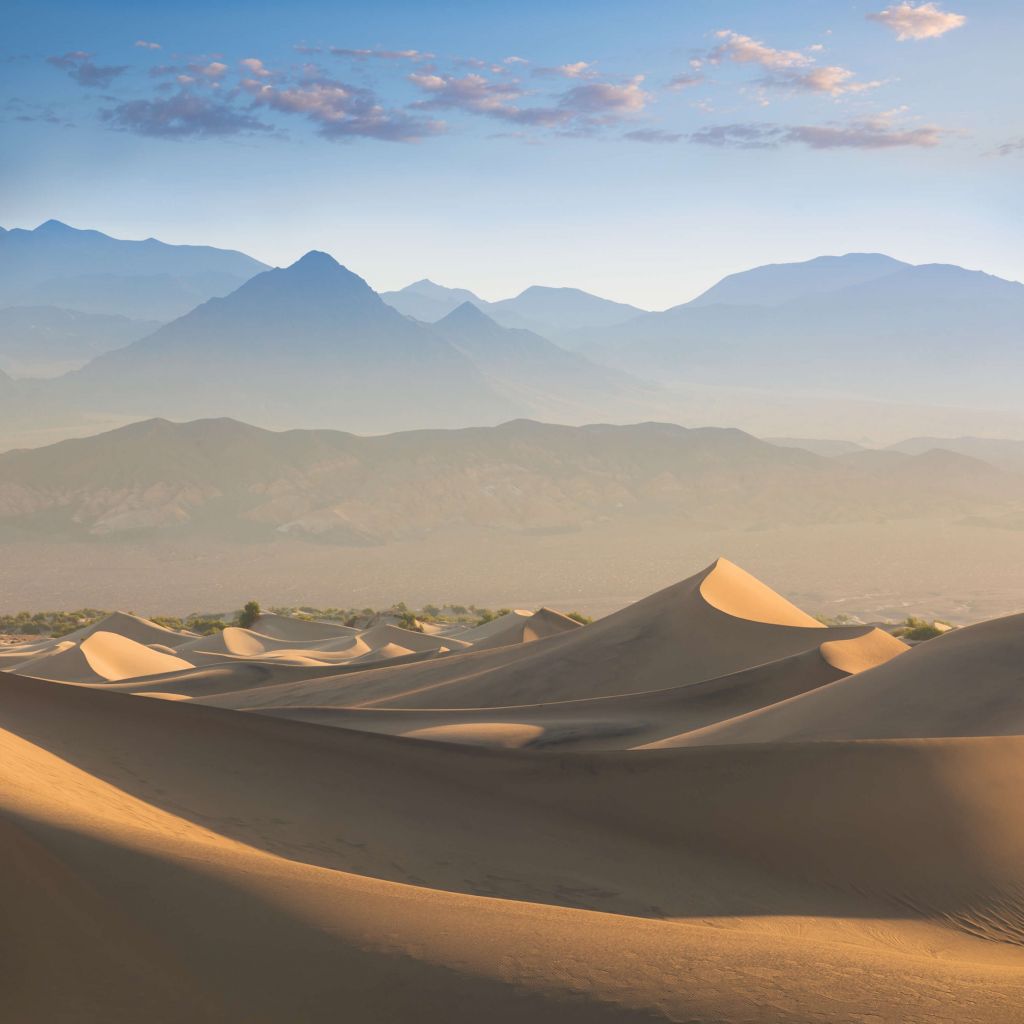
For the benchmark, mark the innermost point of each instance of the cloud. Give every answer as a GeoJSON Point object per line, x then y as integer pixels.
{"type": "Point", "coordinates": [515, 60]}
{"type": "Point", "coordinates": [337, 51]}
{"type": "Point", "coordinates": [342, 111]}
{"type": "Point", "coordinates": [877, 132]}
{"type": "Point", "coordinates": [787, 69]}
{"type": "Point", "coordinates": [739, 136]}
{"type": "Point", "coordinates": [790, 69]}
{"type": "Point", "coordinates": [921, 21]}
{"type": "Point", "coordinates": [185, 115]}
{"type": "Point", "coordinates": [834, 81]}
{"type": "Point", "coordinates": [1011, 147]}
{"type": "Point", "coordinates": [471, 92]}
{"type": "Point", "coordinates": [79, 66]}
{"type": "Point", "coordinates": [254, 66]}
{"type": "Point", "coordinates": [603, 99]}
{"type": "Point", "coordinates": [655, 135]}
{"type": "Point", "coordinates": [581, 69]}
{"type": "Point", "coordinates": [744, 50]}
{"type": "Point", "coordinates": [685, 81]}
{"type": "Point", "coordinates": [143, 44]}
{"type": "Point", "coordinates": [871, 133]}
{"type": "Point", "coordinates": [582, 108]}
{"type": "Point", "coordinates": [31, 112]}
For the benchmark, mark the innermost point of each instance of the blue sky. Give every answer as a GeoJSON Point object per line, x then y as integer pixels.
{"type": "Point", "coordinates": [640, 150]}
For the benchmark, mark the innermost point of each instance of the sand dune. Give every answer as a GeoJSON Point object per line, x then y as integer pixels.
{"type": "Point", "coordinates": [102, 657]}
{"type": "Point", "coordinates": [969, 682]}
{"type": "Point", "coordinates": [601, 723]}
{"type": "Point", "coordinates": [619, 822]}
{"type": "Point", "coordinates": [281, 867]}
{"type": "Point", "coordinates": [670, 639]}
{"type": "Point", "coordinates": [519, 628]}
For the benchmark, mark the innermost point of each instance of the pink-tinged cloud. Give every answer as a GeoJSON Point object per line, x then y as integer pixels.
{"type": "Point", "coordinates": [877, 132]}
{"type": "Point", "coordinates": [79, 66]}
{"type": "Point", "coordinates": [918, 21]}
{"type": "Point", "coordinates": [744, 50]}
{"type": "Point", "coordinates": [342, 111]}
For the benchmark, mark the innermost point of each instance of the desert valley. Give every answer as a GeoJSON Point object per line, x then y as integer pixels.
{"type": "Point", "coordinates": [511, 513]}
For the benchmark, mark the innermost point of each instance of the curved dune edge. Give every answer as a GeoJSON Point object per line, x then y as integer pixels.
{"type": "Point", "coordinates": [104, 657]}
{"type": "Point", "coordinates": [735, 592]}
{"type": "Point", "coordinates": [723, 885]}
{"type": "Point", "coordinates": [967, 682]}
{"type": "Point", "coordinates": [500, 735]}
{"type": "Point", "coordinates": [862, 652]}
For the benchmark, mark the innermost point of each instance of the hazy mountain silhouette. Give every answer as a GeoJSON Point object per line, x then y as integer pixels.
{"type": "Point", "coordinates": [931, 334]}
{"type": "Point", "coordinates": [528, 368]}
{"type": "Point", "coordinates": [57, 265]}
{"type": "Point", "coordinates": [314, 344]}
{"type": "Point", "coordinates": [777, 283]}
{"type": "Point", "coordinates": [227, 477]}
{"type": "Point", "coordinates": [310, 343]}
{"type": "Point", "coordinates": [551, 312]}
{"type": "Point", "coordinates": [424, 300]}
{"type": "Point", "coordinates": [43, 341]}
{"type": "Point", "coordinates": [1006, 454]}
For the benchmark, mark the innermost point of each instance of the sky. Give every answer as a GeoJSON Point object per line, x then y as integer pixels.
{"type": "Point", "coordinates": [637, 150]}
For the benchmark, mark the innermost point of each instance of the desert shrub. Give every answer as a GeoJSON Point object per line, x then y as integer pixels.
{"type": "Point", "coordinates": [915, 628]}
{"type": "Point", "coordinates": [249, 614]}
{"type": "Point", "coordinates": [583, 620]}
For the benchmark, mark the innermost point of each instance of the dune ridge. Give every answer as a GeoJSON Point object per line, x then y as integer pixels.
{"type": "Point", "coordinates": [707, 806]}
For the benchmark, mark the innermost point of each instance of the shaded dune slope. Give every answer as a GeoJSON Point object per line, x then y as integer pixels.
{"type": "Point", "coordinates": [281, 867]}
{"type": "Point", "coordinates": [969, 682]}
{"type": "Point", "coordinates": [670, 639]}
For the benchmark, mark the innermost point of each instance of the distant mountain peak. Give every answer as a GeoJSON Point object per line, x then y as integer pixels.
{"type": "Point", "coordinates": [466, 315]}
{"type": "Point", "coordinates": [315, 259]}
{"type": "Point", "coordinates": [54, 227]}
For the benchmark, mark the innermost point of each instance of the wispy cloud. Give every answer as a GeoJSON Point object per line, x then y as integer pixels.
{"type": "Point", "coordinates": [580, 69]}
{"type": "Point", "coordinates": [745, 50]}
{"type": "Point", "coordinates": [582, 108]}
{"type": "Point", "coordinates": [655, 135]}
{"type": "Point", "coordinates": [28, 112]}
{"type": "Point", "coordinates": [471, 92]}
{"type": "Point", "coordinates": [879, 132]}
{"type": "Point", "coordinates": [686, 81]}
{"type": "Point", "coordinates": [79, 66]}
{"type": "Point", "coordinates": [341, 111]}
{"type": "Point", "coordinates": [144, 44]}
{"type": "Point", "coordinates": [920, 21]}
{"type": "Point", "coordinates": [1010, 148]}
{"type": "Point", "coordinates": [414, 55]}
{"type": "Point", "coordinates": [606, 100]}
{"type": "Point", "coordinates": [788, 69]}
{"type": "Point", "coordinates": [185, 115]}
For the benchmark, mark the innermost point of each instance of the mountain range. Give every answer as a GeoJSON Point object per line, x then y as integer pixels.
{"type": "Point", "coordinates": [314, 344]}
{"type": "Point", "coordinates": [88, 271]}
{"type": "Point", "coordinates": [228, 479]}
{"type": "Point", "coordinates": [862, 345]}
{"type": "Point", "coordinates": [862, 326]}
{"type": "Point", "coordinates": [553, 312]}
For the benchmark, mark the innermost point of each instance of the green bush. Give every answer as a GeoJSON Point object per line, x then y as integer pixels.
{"type": "Point", "coordinates": [915, 628]}
{"type": "Point", "coordinates": [249, 614]}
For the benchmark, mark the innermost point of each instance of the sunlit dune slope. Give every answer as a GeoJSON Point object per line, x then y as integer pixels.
{"type": "Point", "coordinates": [969, 682]}
{"type": "Point", "coordinates": [672, 638]}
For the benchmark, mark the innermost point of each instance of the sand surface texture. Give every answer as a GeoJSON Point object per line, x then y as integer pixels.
{"type": "Point", "coordinates": [705, 807]}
